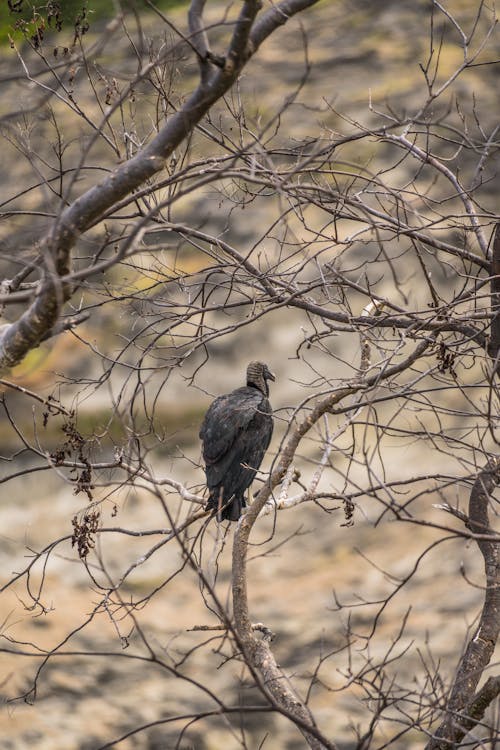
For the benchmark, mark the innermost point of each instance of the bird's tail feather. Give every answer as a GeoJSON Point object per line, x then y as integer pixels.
{"type": "Point", "coordinates": [229, 510]}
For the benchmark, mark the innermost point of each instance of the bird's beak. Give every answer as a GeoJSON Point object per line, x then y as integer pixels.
{"type": "Point", "coordinates": [270, 375]}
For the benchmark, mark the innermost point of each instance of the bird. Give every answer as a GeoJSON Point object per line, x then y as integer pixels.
{"type": "Point", "coordinates": [235, 434]}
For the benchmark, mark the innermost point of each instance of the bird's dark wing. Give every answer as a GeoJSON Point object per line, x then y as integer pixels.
{"type": "Point", "coordinates": [227, 417]}
{"type": "Point", "coordinates": [252, 443]}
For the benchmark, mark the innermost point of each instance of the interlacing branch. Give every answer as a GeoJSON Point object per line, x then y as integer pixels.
{"type": "Point", "coordinates": [42, 315]}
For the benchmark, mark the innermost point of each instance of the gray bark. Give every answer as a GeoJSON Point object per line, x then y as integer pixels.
{"type": "Point", "coordinates": [35, 325]}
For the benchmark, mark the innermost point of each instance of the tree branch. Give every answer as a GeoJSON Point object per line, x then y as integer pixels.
{"type": "Point", "coordinates": [494, 345]}
{"type": "Point", "coordinates": [257, 651]}
{"type": "Point", "coordinates": [465, 708]}
{"type": "Point", "coordinates": [27, 332]}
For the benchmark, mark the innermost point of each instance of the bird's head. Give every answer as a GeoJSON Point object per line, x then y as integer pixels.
{"type": "Point", "coordinates": [258, 374]}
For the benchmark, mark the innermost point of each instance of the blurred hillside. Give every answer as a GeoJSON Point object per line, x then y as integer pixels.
{"type": "Point", "coordinates": [361, 56]}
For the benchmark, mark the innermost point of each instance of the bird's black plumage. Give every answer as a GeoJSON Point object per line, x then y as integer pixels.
{"type": "Point", "coordinates": [235, 433]}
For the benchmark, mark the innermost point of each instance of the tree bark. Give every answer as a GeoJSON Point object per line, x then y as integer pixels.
{"type": "Point", "coordinates": [465, 708]}
{"type": "Point", "coordinates": [257, 652]}
{"type": "Point", "coordinates": [18, 338]}
{"type": "Point", "coordinates": [494, 345]}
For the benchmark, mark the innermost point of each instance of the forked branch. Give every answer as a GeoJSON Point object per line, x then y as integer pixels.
{"type": "Point", "coordinates": [26, 333]}
{"type": "Point", "coordinates": [257, 652]}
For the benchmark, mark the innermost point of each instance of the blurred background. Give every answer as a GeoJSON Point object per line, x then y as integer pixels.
{"type": "Point", "coordinates": [139, 388]}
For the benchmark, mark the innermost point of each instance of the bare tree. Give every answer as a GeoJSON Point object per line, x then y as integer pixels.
{"type": "Point", "coordinates": [166, 222]}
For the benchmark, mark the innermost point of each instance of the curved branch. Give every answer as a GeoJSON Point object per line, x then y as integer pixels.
{"type": "Point", "coordinates": [465, 708]}
{"type": "Point", "coordinates": [276, 16]}
{"type": "Point", "coordinates": [27, 332]}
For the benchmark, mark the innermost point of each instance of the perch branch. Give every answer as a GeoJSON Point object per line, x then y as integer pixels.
{"type": "Point", "coordinates": [257, 652]}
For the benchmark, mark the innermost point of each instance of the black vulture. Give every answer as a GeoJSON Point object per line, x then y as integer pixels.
{"type": "Point", "coordinates": [235, 434]}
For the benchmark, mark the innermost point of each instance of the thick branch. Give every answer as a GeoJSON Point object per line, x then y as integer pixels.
{"type": "Point", "coordinates": [26, 333]}
{"type": "Point", "coordinates": [276, 16]}
{"type": "Point", "coordinates": [483, 698]}
{"type": "Point", "coordinates": [465, 708]}
{"type": "Point", "coordinates": [197, 27]}
{"type": "Point", "coordinates": [494, 347]}
{"type": "Point", "coordinates": [257, 651]}
{"type": "Point", "coordinates": [35, 325]}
